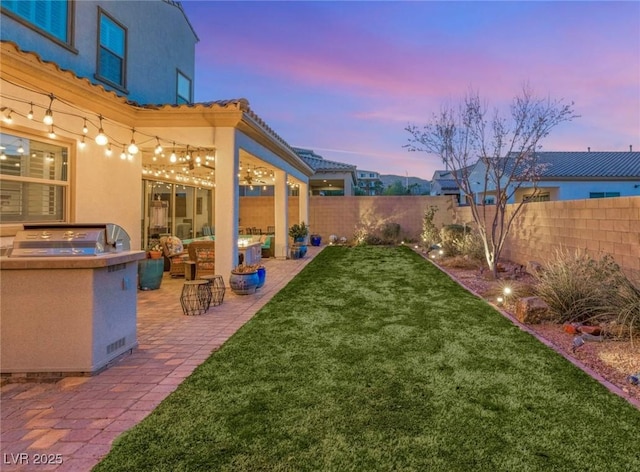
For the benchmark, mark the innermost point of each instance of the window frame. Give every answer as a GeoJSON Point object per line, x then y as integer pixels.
{"type": "Point", "coordinates": [121, 87]}
{"type": "Point", "coordinates": [65, 185]}
{"type": "Point", "coordinates": [179, 74]}
{"type": "Point", "coordinates": [69, 44]}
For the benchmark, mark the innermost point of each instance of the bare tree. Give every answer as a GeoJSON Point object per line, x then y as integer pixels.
{"type": "Point", "coordinates": [499, 151]}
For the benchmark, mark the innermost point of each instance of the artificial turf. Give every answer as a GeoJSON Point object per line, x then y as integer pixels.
{"type": "Point", "coordinates": [372, 359]}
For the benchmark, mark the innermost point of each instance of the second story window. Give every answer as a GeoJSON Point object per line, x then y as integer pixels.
{"type": "Point", "coordinates": [49, 18]}
{"type": "Point", "coordinates": [184, 89]}
{"type": "Point", "coordinates": [112, 51]}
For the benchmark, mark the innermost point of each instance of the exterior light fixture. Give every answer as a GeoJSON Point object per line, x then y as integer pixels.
{"type": "Point", "coordinates": [101, 138]}
{"type": "Point", "coordinates": [158, 149]}
{"type": "Point", "coordinates": [30, 114]}
{"type": "Point", "coordinates": [108, 152]}
{"type": "Point", "coordinates": [8, 119]}
{"type": "Point", "coordinates": [20, 148]}
{"type": "Point", "coordinates": [133, 148]}
{"type": "Point", "coordinates": [85, 130]}
{"type": "Point", "coordinates": [52, 133]}
{"type": "Point", "coordinates": [507, 291]}
{"type": "Point", "coordinates": [82, 144]}
{"type": "Point", "coordinates": [48, 115]}
{"type": "Point", "coordinates": [123, 154]}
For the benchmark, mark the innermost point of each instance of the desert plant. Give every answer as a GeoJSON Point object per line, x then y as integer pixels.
{"type": "Point", "coordinates": [391, 233]}
{"type": "Point", "coordinates": [450, 235]}
{"type": "Point", "coordinates": [299, 231]}
{"type": "Point", "coordinates": [430, 233]}
{"type": "Point", "coordinates": [578, 288]}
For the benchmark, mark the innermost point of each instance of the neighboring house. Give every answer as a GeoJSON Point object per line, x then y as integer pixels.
{"type": "Point", "coordinates": [443, 183]}
{"type": "Point", "coordinates": [574, 176]}
{"type": "Point", "coordinates": [369, 182]}
{"type": "Point", "coordinates": [330, 177]}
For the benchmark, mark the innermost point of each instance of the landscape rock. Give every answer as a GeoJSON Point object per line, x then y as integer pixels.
{"type": "Point", "coordinates": [532, 310]}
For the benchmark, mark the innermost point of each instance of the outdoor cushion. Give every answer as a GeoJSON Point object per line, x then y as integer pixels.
{"type": "Point", "coordinates": [174, 246]}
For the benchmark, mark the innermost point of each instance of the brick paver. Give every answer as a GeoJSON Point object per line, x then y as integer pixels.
{"type": "Point", "coordinates": [75, 420]}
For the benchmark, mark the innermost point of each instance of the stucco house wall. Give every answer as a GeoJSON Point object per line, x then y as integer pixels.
{"type": "Point", "coordinates": [155, 49]}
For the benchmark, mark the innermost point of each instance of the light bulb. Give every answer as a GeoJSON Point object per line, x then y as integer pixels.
{"type": "Point", "coordinates": [132, 149]}
{"type": "Point", "coordinates": [48, 117]}
{"type": "Point", "coordinates": [82, 144]}
{"type": "Point", "coordinates": [123, 155]}
{"type": "Point", "coordinates": [101, 138]}
{"type": "Point", "coordinates": [3, 157]}
{"type": "Point", "coordinates": [20, 148]}
{"type": "Point", "coordinates": [173, 157]}
{"type": "Point", "coordinates": [30, 114]}
{"type": "Point", "coordinates": [8, 119]}
{"type": "Point", "coordinates": [52, 133]}
{"type": "Point", "coordinates": [85, 130]}
{"type": "Point", "coordinates": [108, 151]}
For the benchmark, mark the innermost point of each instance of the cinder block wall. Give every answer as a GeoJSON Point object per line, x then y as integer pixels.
{"type": "Point", "coordinates": [342, 215]}
{"type": "Point", "coordinates": [600, 226]}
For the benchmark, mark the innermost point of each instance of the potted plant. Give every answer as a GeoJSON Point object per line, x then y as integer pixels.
{"type": "Point", "coordinates": [244, 279]}
{"type": "Point", "coordinates": [298, 233]}
{"type": "Point", "coordinates": [154, 249]}
{"type": "Point", "coordinates": [316, 240]}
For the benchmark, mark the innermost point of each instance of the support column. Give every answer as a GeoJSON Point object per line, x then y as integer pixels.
{"type": "Point", "coordinates": [303, 203]}
{"type": "Point", "coordinates": [281, 203]}
{"type": "Point", "coordinates": [226, 202]}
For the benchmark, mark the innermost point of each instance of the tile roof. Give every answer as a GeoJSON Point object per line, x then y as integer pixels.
{"type": "Point", "coordinates": [319, 163]}
{"type": "Point", "coordinates": [590, 164]}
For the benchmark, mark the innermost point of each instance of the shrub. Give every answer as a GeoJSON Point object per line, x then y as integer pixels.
{"type": "Point", "coordinates": [430, 233]}
{"type": "Point", "coordinates": [578, 288]}
{"type": "Point", "coordinates": [391, 233]}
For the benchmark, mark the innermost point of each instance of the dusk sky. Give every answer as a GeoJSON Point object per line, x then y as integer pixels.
{"type": "Point", "coordinates": [346, 78]}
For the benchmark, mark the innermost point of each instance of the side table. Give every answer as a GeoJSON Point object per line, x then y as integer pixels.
{"type": "Point", "coordinates": [196, 297]}
{"type": "Point", "coordinates": [216, 286]}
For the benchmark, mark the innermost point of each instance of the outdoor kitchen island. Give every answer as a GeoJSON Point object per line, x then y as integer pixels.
{"type": "Point", "coordinates": [67, 315]}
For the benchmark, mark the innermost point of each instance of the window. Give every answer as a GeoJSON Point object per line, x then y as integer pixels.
{"type": "Point", "coordinates": [112, 46]}
{"type": "Point", "coordinates": [603, 194]}
{"type": "Point", "coordinates": [537, 197]}
{"type": "Point", "coordinates": [52, 18]}
{"type": "Point", "coordinates": [184, 89]}
{"type": "Point", "coordinates": [34, 180]}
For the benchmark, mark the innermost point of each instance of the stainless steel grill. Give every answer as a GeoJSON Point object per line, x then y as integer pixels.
{"type": "Point", "coordinates": [70, 240]}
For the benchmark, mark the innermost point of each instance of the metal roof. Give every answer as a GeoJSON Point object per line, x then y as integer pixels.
{"type": "Point", "coordinates": [590, 164]}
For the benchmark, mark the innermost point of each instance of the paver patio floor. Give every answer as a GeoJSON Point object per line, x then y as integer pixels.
{"type": "Point", "coordinates": [77, 418]}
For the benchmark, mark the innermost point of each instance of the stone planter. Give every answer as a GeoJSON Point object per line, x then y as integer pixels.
{"type": "Point", "coordinates": [244, 283]}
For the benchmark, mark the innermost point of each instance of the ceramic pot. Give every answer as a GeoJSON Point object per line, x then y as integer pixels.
{"type": "Point", "coordinates": [244, 283]}
{"type": "Point", "coordinates": [150, 274]}
{"type": "Point", "coordinates": [262, 276]}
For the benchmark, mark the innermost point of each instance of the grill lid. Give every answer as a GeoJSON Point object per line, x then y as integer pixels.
{"type": "Point", "coordinates": [70, 240]}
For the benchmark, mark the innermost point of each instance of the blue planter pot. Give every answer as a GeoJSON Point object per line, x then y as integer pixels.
{"type": "Point", "coordinates": [150, 273]}
{"type": "Point", "coordinates": [262, 276]}
{"type": "Point", "coordinates": [303, 250]}
{"type": "Point", "coordinates": [316, 240]}
{"type": "Point", "coordinates": [244, 283]}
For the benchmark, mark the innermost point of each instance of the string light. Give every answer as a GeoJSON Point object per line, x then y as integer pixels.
{"type": "Point", "coordinates": [48, 115]}
{"type": "Point", "coordinates": [85, 130]}
{"type": "Point", "coordinates": [52, 133]}
{"type": "Point", "coordinates": [108, 152]}
{"type": "Point", "coordinates": [173, 157]}
{"type": "Point", "coordinates": [101, 138]}
{"type": "Point", "coordinates": [82, 144]}
{"type": "Point", "coordinates": [133, 148]}
{"type": "Point", "coordinates": [30, 114]}
{"type": "Point", "coordinates": [123, 155]}
{"type": "Point", "coordinates": [20, 148]}
{"type": "Point", "coordinates": [8, 119]}
{"type": "Point", "coordinates": [158, 149]}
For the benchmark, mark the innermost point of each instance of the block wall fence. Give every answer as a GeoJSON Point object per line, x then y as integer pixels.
{"type": "Point", "coordinates": [599, 226]}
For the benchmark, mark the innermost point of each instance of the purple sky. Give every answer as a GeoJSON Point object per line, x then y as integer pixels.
{"type": "Point", "coordinates": [345, 78]}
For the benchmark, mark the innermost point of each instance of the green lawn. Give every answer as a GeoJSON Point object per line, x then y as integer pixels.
{"type": "Point", "coordinates": [372, 359]}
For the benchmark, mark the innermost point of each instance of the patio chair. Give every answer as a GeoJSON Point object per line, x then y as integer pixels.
{"type": "Point", "coordinates": [173, 250]}
{"type": "Point", "coordinates": [203, 253]}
